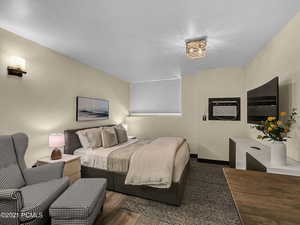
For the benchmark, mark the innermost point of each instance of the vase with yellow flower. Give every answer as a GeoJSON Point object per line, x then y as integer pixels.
{"type": "Point", "coordinates": [276, 131]}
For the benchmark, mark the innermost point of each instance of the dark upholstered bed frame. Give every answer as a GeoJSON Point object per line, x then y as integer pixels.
{"type": "Point", "coordinates": [116, 181]}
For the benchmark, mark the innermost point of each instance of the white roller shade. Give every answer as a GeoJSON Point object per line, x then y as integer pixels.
{"type": "Point", "coordinates": [156, 97]}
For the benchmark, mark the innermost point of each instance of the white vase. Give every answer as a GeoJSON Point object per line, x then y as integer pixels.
{"type": "Point", "coordinates": [278, 154]}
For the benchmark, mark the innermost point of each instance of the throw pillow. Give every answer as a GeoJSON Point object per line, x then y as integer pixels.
{"type": "Point", "coordinates": [109, 137]}
{"type": "Point", "coordinates": [121, 134]}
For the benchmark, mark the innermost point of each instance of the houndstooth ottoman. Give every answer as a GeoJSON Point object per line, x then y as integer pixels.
{"type": "Point", "coordinates": [80, 204]}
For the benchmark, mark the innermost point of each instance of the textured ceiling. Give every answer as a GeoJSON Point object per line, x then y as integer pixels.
{"type": "Point", "coordinates": [140, 40]}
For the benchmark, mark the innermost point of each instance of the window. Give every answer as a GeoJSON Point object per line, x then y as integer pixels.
{"type": "Point", "coordinates": [156, 97]}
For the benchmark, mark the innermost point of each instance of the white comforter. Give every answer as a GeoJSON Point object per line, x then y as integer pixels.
{"type": "Point", "coordinates": [98, 158]}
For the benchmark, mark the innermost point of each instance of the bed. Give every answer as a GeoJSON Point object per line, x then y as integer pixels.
{"type": "Point", "coordinates": [96, 163]}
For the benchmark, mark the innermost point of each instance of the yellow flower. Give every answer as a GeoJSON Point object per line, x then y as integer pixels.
{"type": "Point", "coordinates": [270, 129]}
{"type": "Point", "coordinates": [271, 118]}
{"type": "Point", "coordinates": [279, 123]}
{"type": "Point", "coordinates": [283, 114]}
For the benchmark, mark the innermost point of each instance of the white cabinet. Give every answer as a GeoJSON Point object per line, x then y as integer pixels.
{"type": "Point", "coordinates": [257, 159]}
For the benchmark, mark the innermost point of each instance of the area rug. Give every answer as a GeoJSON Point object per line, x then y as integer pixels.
{"type": "Point", "coordinates": [207, 201]}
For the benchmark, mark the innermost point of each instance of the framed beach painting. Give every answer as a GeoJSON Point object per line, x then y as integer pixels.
{"type": "Point", "coordinates": [91, 109]}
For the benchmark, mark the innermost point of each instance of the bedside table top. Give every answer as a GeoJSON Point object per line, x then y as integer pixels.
{"type": "Point", "coordinates": [131, 137]}
{"type": "Point", "coordinates": [65, 158]}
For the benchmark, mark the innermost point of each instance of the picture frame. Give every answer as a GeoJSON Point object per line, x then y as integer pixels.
{"type": "Point", "coordinates": [90, 109]}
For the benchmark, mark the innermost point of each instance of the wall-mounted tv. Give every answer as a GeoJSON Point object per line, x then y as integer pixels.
{"type": "Point", "coordinates": [263, 102]}
{"type": "Point", "coordinates": [91, 109]}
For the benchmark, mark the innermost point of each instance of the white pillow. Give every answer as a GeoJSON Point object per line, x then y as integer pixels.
{"type": "Point", "coordinates": [90, 138]}
{"type": "Point", "coordinates": [83, 139]}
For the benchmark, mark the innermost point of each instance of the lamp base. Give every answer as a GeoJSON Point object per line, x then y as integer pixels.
{"type": "Point", "coordinates": [56, 154]}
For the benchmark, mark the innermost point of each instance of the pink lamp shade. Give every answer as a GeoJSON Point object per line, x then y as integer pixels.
{"type": "Point", "coordinates": [56, 140]}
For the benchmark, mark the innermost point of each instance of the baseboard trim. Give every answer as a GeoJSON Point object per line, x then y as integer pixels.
{"type": "Point", "coordinates": [212, 161]}
{"type": "Point", "coordinates": [194, 156]}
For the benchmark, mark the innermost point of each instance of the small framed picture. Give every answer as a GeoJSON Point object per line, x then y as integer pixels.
{"type": "Point", "coordinates": [91, 109]}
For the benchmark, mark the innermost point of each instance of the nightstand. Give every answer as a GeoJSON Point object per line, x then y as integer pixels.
{"type": "Point", "coordinates": [72, 167]}
{"type": "Point", "coordinates": [131, 137]}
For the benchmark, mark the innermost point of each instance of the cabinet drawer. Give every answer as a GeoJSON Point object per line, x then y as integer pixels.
{"type": "Point", "coordinates": [72, 167]}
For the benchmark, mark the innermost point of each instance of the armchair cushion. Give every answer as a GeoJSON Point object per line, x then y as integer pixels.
{"type": "Point", "coordinates": [43, 173]}
{"type": "Point", "coordinates": [38, 197]}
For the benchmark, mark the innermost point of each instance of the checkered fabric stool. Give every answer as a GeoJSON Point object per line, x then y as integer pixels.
{"type": "Point", "coordinates": [80, 204]}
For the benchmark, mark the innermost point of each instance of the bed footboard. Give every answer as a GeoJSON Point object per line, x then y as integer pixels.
{"type": "Point", "coordinates": [116, 182]}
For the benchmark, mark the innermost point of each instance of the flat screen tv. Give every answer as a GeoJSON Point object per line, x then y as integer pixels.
{"type": "Point", "coordinates": [263, 102]}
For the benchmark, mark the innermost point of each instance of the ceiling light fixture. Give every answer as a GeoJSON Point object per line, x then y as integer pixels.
{"type": "Point", "coordinates": [196, 48]}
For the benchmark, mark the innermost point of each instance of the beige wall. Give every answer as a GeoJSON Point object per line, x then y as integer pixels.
{"type": "Point", "coordinates": [209, 139]}
{"type": "Point", "coordinates": [281, 57]}
{"type": "Point", "coordinates": [43, 101]}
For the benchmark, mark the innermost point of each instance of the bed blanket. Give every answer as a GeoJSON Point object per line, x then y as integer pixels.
{"type": "Point", "coordinates": [153, 164]}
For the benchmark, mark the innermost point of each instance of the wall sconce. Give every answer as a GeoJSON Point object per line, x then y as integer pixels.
{"type": "Point", "coordinates": [16, 66]}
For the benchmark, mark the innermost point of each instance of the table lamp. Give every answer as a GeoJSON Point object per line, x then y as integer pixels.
{"type": "Point", "coordinates": [56, 141]}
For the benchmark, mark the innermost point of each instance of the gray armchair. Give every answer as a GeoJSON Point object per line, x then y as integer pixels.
{"type": "Point", "coordinates": [26, 194]}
